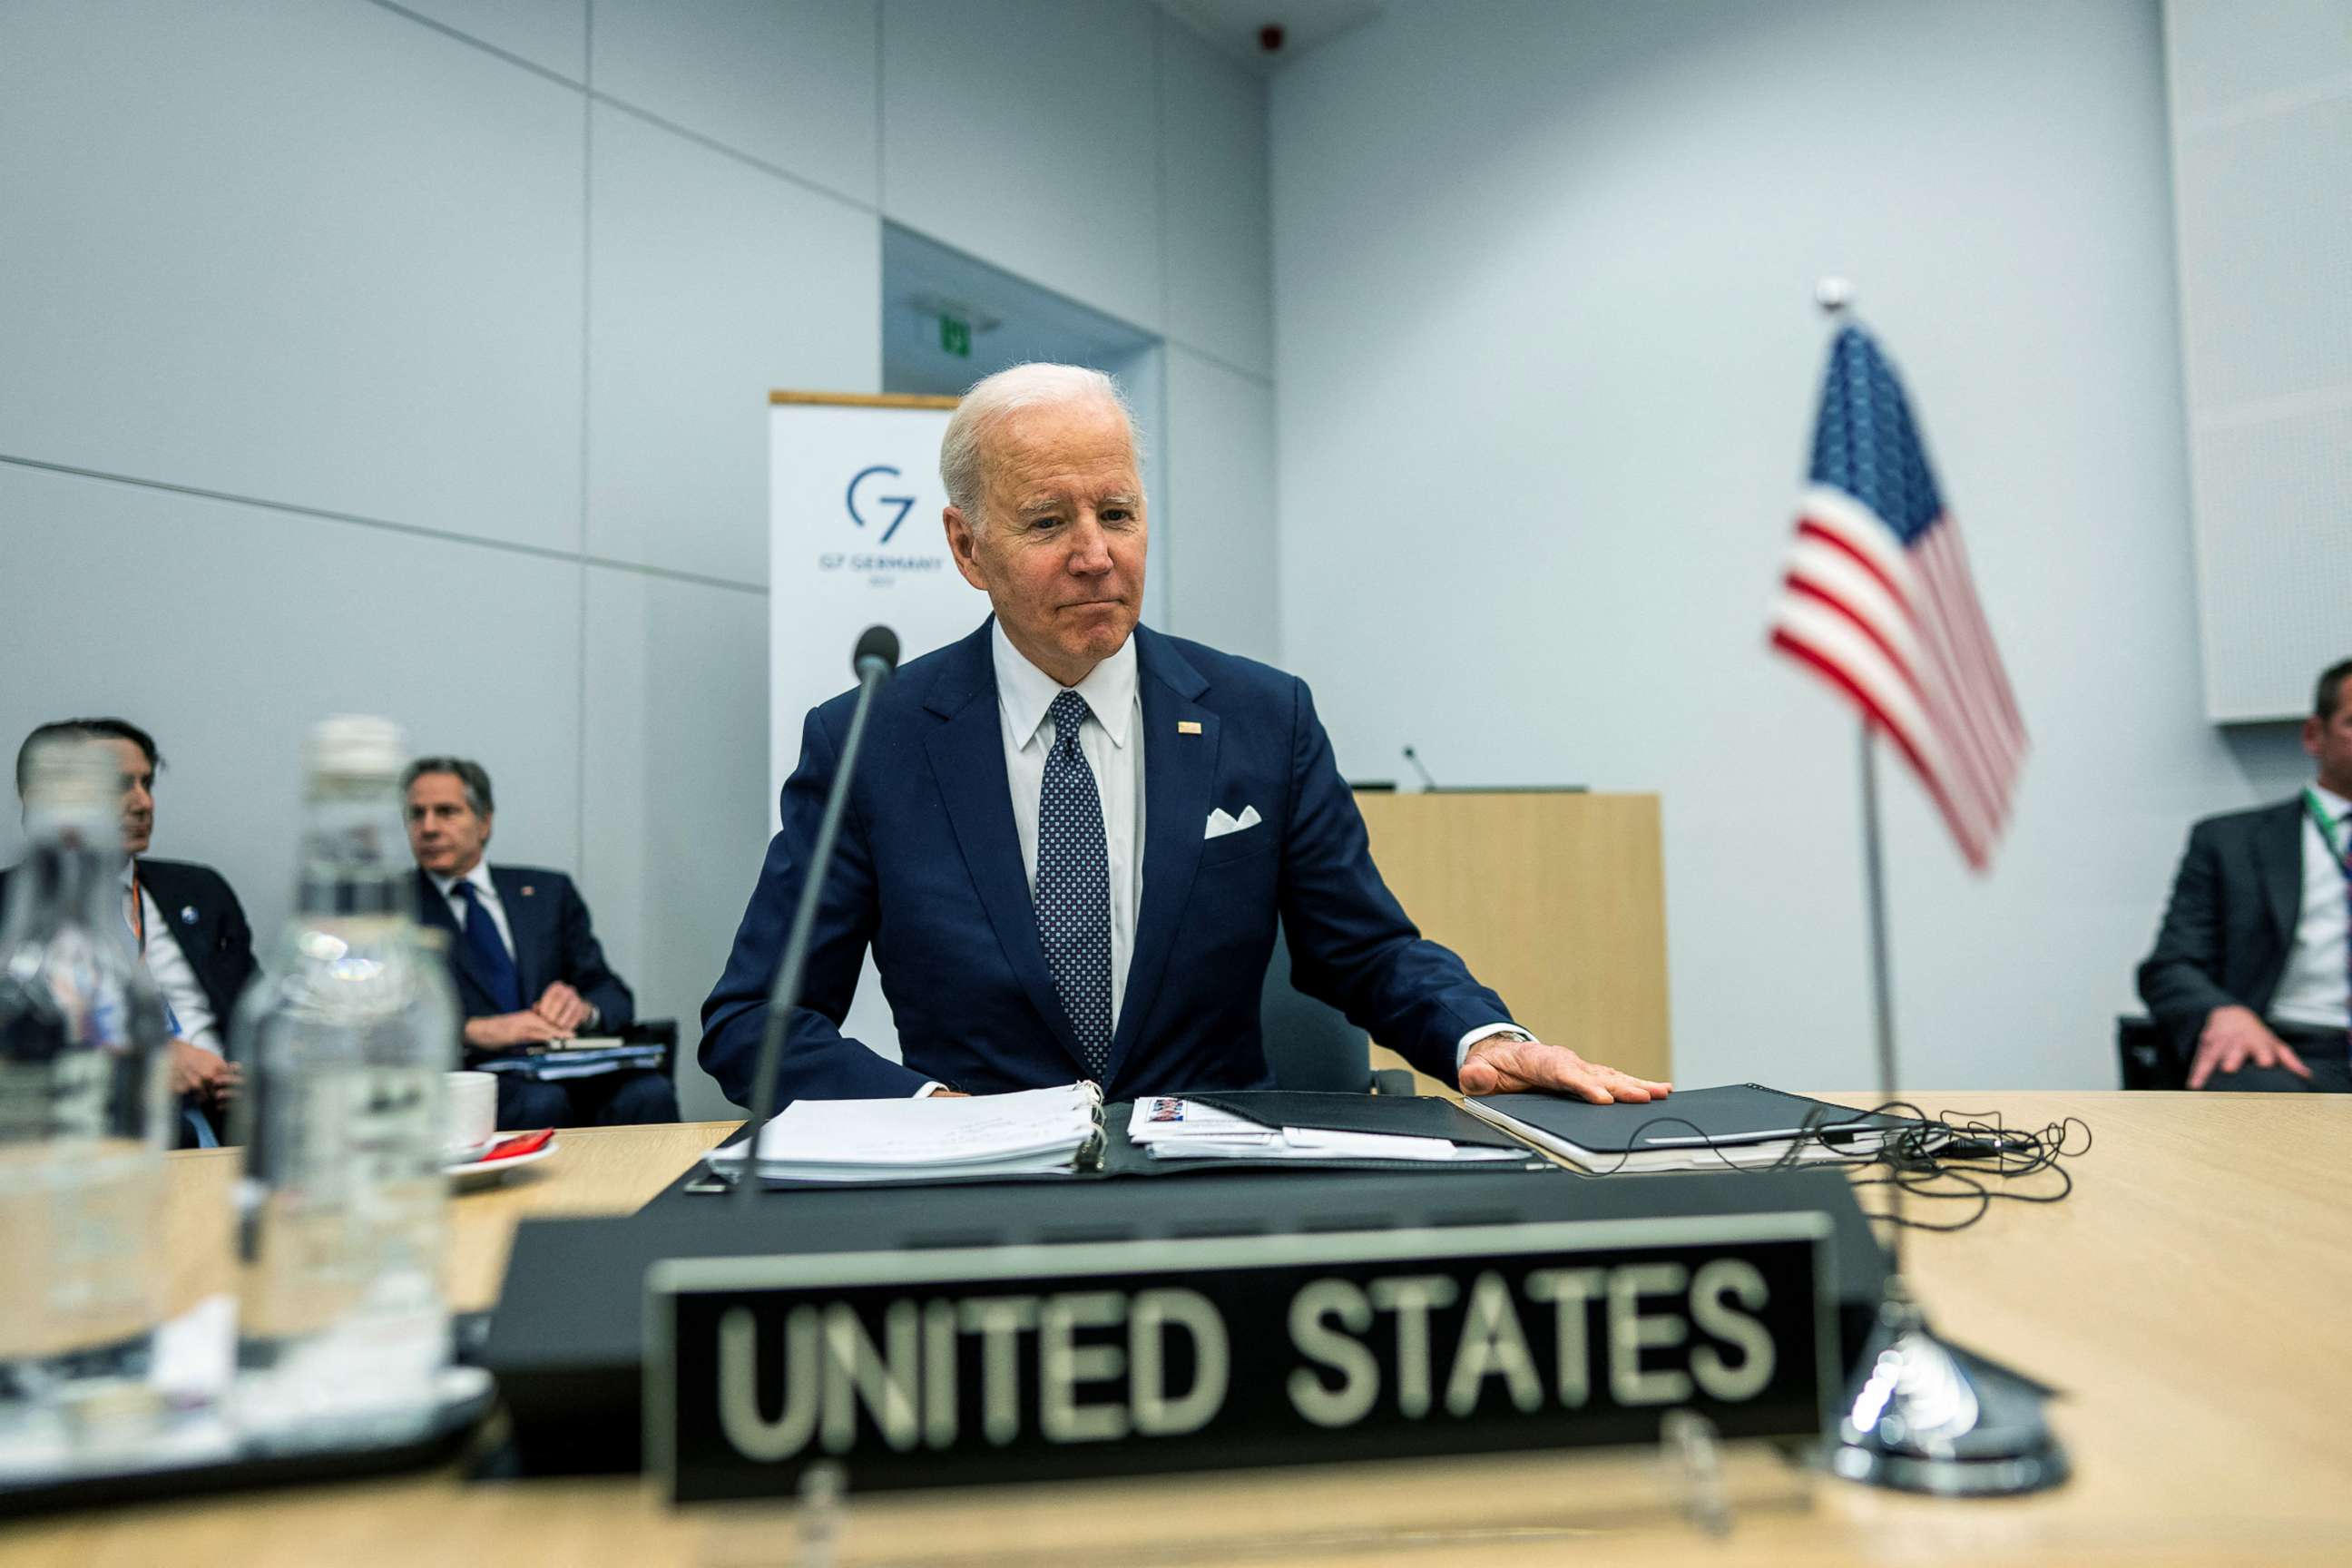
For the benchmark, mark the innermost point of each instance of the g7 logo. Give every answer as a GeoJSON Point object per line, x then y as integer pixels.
{"type": "Point", "coordinates": [904, 503]}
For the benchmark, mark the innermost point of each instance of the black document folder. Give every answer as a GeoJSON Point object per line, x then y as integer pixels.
{"type": "Point", "coordinates": [1116, 1156]}
{"type": "Point", "coordinates": [1695, 1128]}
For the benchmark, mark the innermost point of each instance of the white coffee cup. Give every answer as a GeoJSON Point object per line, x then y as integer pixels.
{"type": "Point", "coordinates": [473, 1109]}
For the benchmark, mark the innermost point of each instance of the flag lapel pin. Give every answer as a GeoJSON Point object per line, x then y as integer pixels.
{"type": "Point", "coordinates": [1188, 726]}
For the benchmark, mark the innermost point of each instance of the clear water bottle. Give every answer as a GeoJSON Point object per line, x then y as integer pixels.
{"type": "Point", "coordinates": [347, 1042]}
{"type": "Point", "coordinates": [85, 1116]}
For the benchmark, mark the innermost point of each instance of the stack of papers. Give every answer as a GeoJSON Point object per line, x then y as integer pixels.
{"type": "Point", "coordinates": [1031, 1132]}
{"type": "Point", "coordinates": [1735, 1127]}
{"type": "Point", "coordinates": [1172, 1129]}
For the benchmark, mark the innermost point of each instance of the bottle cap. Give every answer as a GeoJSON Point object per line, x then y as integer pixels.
{"type": "Point", "coordinates": [356, 745]}
{"type": "Point", "coordinates": [74, 780]}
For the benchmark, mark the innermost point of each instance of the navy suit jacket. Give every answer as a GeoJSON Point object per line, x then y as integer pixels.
{"type": "Point", "coordinates": [553, 941]}
{"type": "Point", "coordinates": [928, 873]}
{"type": "Point", "coordinates": [2230, 922]}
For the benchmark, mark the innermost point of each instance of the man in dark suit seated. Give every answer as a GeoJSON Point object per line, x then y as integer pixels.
{"type": "Point", "coordinates": [523, 956]}
{"type": "Point", "coordinates": [2252, 969]}
{"type": "Point", "coordinates": [187, 925]}
{"type": "Point", "coordinates": [1072, 836]}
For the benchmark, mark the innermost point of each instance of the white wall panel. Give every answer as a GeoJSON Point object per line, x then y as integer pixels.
{"type": "Point", "coordinates": [790, 82]}
{"type": "Point", "coordinates": [1025, 131]}
{"type": "Point", "coordinates": [550, 34]}
{"type": "Point", "coordinates": [674, 807]}
{"type": "Point", "coordinates": [314, 254]}
{"type": "Point", "coordinates": [245, 625]}
{"type": "Point", "coordinates": [2266, 254]}
{"type": "Point", "coordinates": [1220, 257]}
{"type": "Point", "coordinates": [714, 282]}
{"type": "Point", "coordinates": [2227, 53]}
{"type": "Point", "coordinates": [1218, 518]}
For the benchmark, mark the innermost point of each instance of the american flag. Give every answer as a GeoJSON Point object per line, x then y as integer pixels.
{"type": "Point", "coordinates": [1878, 601]}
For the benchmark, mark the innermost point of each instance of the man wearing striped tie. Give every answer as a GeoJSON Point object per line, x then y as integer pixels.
{"type": "Point", "coordinates": [2253, 970]}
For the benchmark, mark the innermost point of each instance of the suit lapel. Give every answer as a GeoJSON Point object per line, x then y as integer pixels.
{"type": "Point", "coordinates": [524, 920]}
{"type": "Point", "coordinates": [967, 755]}
{"type": "Point", "coordinates": [1178, 771]}
{"type": "Point", "coordinates": [2279, 852]}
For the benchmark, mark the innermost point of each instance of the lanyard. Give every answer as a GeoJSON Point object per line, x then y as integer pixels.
{"type": "Point", "coordinates": [2324, 820]}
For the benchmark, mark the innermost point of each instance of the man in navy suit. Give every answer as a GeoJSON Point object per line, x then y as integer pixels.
{"type": "Point", "coordinates": [522, 954]}
{"type": "Point", "coordinates": [186, 923]}
{"type": "Point", "coordinates": [1069, 837]}
{"type": "Point", "coordinates": [2250, 977]}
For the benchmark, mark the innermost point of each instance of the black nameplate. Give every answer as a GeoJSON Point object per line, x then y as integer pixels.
{"type": "Point", "coordinates": [987, 1365]}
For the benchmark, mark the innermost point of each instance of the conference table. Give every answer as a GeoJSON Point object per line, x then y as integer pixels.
{"type": "Point", "coordinates": [2190, 1298]}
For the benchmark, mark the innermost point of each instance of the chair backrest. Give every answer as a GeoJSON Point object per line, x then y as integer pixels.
{"type": "Point", "coordinates": [1310, 1045]}
{"type": "Point", "coordinates": [2146, 1057]}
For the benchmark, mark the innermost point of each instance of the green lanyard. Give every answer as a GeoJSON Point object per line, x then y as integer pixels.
{"type": "Point", "coordinates": [2324, 820]}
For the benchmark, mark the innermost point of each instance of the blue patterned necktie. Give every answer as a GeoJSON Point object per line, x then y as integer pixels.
{"type": "Point", "coordinates": [1073, 894]}
{"type": "Point", "coordinates": [497, 965]}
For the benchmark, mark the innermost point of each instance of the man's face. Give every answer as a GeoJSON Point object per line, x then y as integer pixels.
{"type": "Point", "coordinates": [1061, 556]}
{"type": "Point", "coordinates": [138, 795]}
{"type": "Point", "coordinates": [2329, 741]}
{"type": "Point", "coordinates": [446, 833]}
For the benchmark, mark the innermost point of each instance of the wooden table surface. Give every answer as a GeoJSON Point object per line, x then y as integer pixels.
{"type": "Point", "coordinates": [2192, 1297]}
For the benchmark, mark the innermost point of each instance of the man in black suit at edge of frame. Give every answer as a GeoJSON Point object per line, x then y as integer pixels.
{"type": "Point", "coordinates": [522, 956]}
{"type": "Point", "coordinates": [189, 929]}
{"type": "Point", "coordinates": [2253, 968]}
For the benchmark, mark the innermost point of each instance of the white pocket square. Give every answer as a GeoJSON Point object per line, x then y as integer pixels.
{"type": "Point", "coordinates": [1219, 824]}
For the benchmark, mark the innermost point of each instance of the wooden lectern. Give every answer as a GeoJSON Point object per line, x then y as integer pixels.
{"type": "Point", "coordinates": [1556, 899]}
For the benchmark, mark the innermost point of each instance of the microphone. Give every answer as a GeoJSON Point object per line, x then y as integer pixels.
{"type": "Point", "coordinates": [875, 660]}
{"type": "Point", "coordinates": [877, 648]}
{"type": "Point", "coordinates": [1414, 758]}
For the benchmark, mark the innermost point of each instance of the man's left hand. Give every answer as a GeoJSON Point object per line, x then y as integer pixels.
{"type": "Point", "coordinates": [1500, 1065]}
{"type": "Point", "coordinates": [561, 1006]}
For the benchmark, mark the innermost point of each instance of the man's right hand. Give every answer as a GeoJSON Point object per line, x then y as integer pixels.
{"type": "Point", "coordinates": [2234, 1037]}
{"type": "Point", "coordinates": [195, 1070]}
{"type": "Point", "coordinates": [503, 1031]}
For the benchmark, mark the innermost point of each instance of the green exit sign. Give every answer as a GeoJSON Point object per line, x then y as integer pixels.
{"type": "Point", "coordinates": [955, 335]}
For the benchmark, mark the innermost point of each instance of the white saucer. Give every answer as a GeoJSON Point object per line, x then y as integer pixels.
{"type": "Point", "coordinates": [476, 1172]}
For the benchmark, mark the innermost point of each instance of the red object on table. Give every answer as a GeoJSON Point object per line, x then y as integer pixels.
{"type": "Point", "coordinates": [520, 1144]}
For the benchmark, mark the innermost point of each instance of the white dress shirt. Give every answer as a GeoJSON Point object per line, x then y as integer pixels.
{"type": "Point", "coordinates": [168, 967]}
{"type": "Point", "coordinates": [1111, 740]}
{"type": "Point", "coordinates": [2315, 989]}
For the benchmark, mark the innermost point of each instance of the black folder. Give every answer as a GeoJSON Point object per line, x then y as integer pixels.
{"type": "Point", "coordinates": [1730, 1116]}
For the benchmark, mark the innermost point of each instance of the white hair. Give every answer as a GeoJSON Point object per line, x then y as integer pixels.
{"type": "Point", "coordinates": [963, 463]}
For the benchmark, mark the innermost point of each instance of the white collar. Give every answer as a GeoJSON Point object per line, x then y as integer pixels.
{"type": "Point", "coordinates": [480, 876]}
{"type": "Point", "coordinates": [1028, 693]}
{"type": "Point", "coordinates": [130, 878]}
{"type": "Point", "coordinates": [2337, 806]}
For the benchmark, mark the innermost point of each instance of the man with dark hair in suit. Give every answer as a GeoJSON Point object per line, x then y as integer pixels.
{"type": "Point", "coordinates": [187, 925]}
{"type": "Point", "coordinates": [2252, 969]}
{"type": "Point", "coordinates": [1074, 835]}
{"type": "Point", "coordinates": [522, 954]}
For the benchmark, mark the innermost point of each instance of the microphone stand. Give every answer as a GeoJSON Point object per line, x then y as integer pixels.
{"type": "Point", "coordinates": [876, 658]}
{"type": "Point", "coordinates": [1914, 1417]}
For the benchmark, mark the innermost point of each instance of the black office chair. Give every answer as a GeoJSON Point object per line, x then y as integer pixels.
{"type": "Point", "coordinates": [2146, 1055]}
{"type": "Point", "coordinates": [662, 1032]}
{"type": "Point", "coordinates": [1311, 1045]}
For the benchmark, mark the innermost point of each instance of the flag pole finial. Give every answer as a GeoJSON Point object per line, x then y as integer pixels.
{"type": "Point", "coordinates": [1834, 294]}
